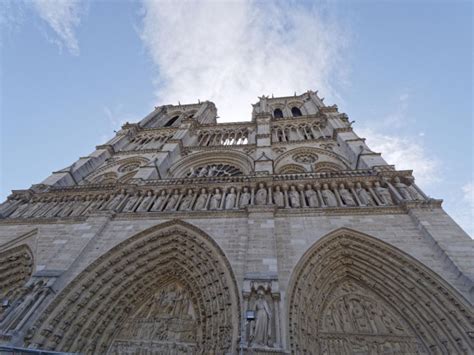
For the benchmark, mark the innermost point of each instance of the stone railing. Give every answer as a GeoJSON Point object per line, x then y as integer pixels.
{"type": "Point", "coordinates": [341, 190]}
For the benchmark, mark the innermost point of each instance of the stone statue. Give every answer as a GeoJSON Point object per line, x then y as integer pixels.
{"type": "Point", "coordinates": [172, 201]}
{"type": "Point", "coordinates": [294, 197]}
{"type": "Point", "coordinates": [364, 197]}
{"type": "Point", "coordinates": [346, 196]}
{"type": "Point", "coordinates": [262, 330]}
{"type": "Point", "coordinates": [311, 196]}
{"type": "Point", "coordinates": [402, 188]}
{"type": "Point", "coordinates": [146, 202]}
{"type": "Point", "coordinates": [230, 199]}
{"type": "Point", "coordinates": [131, 202]}
{"type": "Point", "coordinates": [212, 171]}
{"type": "Point", "coordinates": [60, 203]}
{"type": "Point", "coordinates": [244, 198]}
{"type": "Point", "coordinates": [215, 200]}
{"type": "Point", "coordinates": [20, 210]}
{"type": "Point", "coordinates": [383, 193]}
{"type": "Point", "coordinates": [9, 206]}
{"type": "Point", "coordinates": [413, 191]}
{"type": "Point", "coordinates": [79, 206]}
{"type": "Point", "coordinates": [158, 205]}
{"type": "Point", "coordinates": [261, 195]}
{"type": "Point", "coordinates": [201, 201]}
{"type": "Point", "coordinates": [278, 197]}
{"type": "Point", "coordinates": [203, 172]}
{"type": "Point", "coordinates": [187, 201]}
{"type": "Point", "coordinates": [114, 204]}
{"type": "Point", "coordinates": [328, 196]}
{"type": "Point", "coordinates": [73, 202]}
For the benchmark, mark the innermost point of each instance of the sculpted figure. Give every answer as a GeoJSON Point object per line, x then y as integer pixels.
{"type": "Point", "coordinates": [383, 193]}
{"type": "Point", "coordinates": [131, 202]}
{"type": "Point", "coordinates": [328, 196]}
{"type": "Point", "coordinates": [146, 202]}
{"type": "Point", "coordinates": [43, 207]}
{"type": "Point", "coordinates": [9, 206]}
{"type": "Point", "coordinates": [215, 200]}
{"type": "Point", "coordinates": [78, 206]}
{"type": "Point", "coordinates": [261, 195]}
{"type": "Point", "coordinates": [294, 197]}
{"type": "Point", "coordinates": [158, 205]}
{"type": "Point", "coordinates": [346, 196]}
{"type": "Point", "coordinates": [230, 199]}
{"type": "Point", "coordinates": [311, 196]}
{"type": "Point", "coordinates": [172, 201]}
{"type": "Point", "coordinates": [59, 204]}
{"type": "Point", "coordinates": [278, 197]}
{"type": "Point", "coordinates": [20, 210]}
{"type": "Point", "coordinates": [115, 202]}
{"type": "Point", "coordinates": [212, 171]}
{"type": "Point", "coordinates": [201, 201]}
{"type": "Point", "coordinates": [203, 172]}
{"type": "Point", "coordinates": [186, 201]}
{"type": "Point", "coordinates": [34, 204]}
{"type": "Point", "coordinates": [364, 197]}
{"type": "Point", "coordinates": [402, 188]}
{"type": "Point", "coordinates": [261, 330]}
{"type": "Point", "coordinates": [244, 198]}
{"type": "Point", "coordinates": [70, 204]}
{"type": "Point", "coordinates": [413, 191]}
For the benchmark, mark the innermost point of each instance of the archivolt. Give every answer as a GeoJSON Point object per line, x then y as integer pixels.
{"type": "Point", "coordinates": [436, 314]}
{"type": "Point", "coordinates": [16, 267]}
{"type": "Point", "coordinates": [324, 156]}
{"type": "Point", "coordinates": [87, 313]}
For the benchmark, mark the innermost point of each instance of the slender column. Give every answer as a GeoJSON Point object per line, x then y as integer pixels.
{"type": "Point", "coordinates": [336, 192]}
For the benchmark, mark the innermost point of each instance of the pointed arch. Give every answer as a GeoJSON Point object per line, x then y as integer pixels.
{"type": "Point", "coordinates": [353, 291]}
{"type": "Point", "coordinates": [172, 258]}
{"type": "Point", "coordinates": [16, 268]}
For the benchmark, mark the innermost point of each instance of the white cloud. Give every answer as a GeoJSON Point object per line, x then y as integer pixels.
{"type": "Point", "coordinates": [63, 16]}
{"type": "Point", "coordinates": [232, 52]}
{"type": "Point", "coordinates": [404, 153]}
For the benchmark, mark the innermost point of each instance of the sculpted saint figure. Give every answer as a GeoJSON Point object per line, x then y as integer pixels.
{"type": "Point", "coordinates": [402, 188]}
{"type": "Point", "coordinates": [294, 197]}
{"type": "Point", "coordinates": [9, 206]}
{"type": "Point", "coordinates": [244, 198]}
{"type": "Point", "coordinates": [383, 194]}
{"type": "Point", "coordinates": [346, 196]}
{"type": "Point", "coordinates": [215, 200]}
{"type": "Point", "coordinates": [278, 197]}
{"type": "Point", "coordinates": [311, 196]}
{"type": "Point", "coordinates": [364, 197]}
{"type": "Point", "coordinates": [46, 202]}
{"type": "Point", "coordinates": [413, 191]}
{"type": "Point", "coordinates": [67, 210]}
{"type": "Point", "coordinates": [20, 210]}
{"type": "Point", "coordinates": [186, 201]}
{"type": "Point", "coordinates": [230, 199]}
{"type": "Point", "coordinates": [201, 201]}
{"type": "Point", "coordinates": [261, 195]}
{"type": "Point", "coordinates": [261, 330]}
{"type": "Point", "coordinates": [132, 202]}
{"type": "Point", "coordinates": [59, 205]}
{"type": "Point", "coordinates": [79, 206]}
{"type": "Point", "coordinates": [203, 172]}
{"type": "Point", "coordinates": [212, 171]}
{"type": "Point", "coordinates": [115, 202]}
{"type": "Point", "coordinates": [328, 196]}
{"type": "Point", "coordinates": [172, 201]}
{"type": "Point", "coordinates": [33, 206]}
{"type": "Point", "coordinates": [158, 205]}
{"type": "Point", "coordinates": [146, 202]}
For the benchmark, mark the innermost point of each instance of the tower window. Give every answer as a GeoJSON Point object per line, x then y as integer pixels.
{"type": "Point", "coordinates": [296, 112]}
{"type": "Point", "coordinates": [171, 121]}
{"type": "Point", "coordinates": [277, 113]}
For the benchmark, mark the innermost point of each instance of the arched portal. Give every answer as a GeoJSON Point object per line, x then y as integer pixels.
{"type": "Point", "coordinates": [169, 289]}
{"type": "Point", "coordinates": [354, 294]}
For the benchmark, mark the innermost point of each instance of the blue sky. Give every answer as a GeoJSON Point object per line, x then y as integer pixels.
{"type": "Point", "coordinates": [74, 71]}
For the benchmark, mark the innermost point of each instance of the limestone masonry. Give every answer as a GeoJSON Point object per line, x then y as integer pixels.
{"type": "Point", "coordinates": [285, 234]}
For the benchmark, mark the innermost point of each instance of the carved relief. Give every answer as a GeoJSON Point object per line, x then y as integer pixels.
{"type": "Point", "coordinates": [305, 158]}
{"type": "Point", "coordinates": [214, 170]}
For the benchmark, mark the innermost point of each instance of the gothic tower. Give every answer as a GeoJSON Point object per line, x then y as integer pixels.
{"type": "Point", "coordinates": [284, 234]}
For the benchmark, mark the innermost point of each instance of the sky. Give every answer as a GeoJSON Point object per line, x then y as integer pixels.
{"type": "Point", "coordinates": [72, 72]}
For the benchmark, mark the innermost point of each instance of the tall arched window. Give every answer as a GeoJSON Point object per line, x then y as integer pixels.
{"type": "Point", "coordinates": [277, 113]}
{"type": "Point", "coordinates": [171, 121]}
{"type": "Point", "coordinates": [296, 112]}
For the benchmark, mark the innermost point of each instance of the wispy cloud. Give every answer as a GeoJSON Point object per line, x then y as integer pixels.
{"type": "Point", "coordinates": [63, 16]}
{"type": "Point", "coordinates": [232, 52]}
{"type": "Point", "coordinates": [117, 117]}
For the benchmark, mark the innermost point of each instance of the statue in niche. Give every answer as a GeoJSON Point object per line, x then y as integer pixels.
{"type": "Point", "coordinates": [158, 205]}
{"type": "Point", "coordinates": [216, 199]}
{"type": "Point", "coordinates": [346, 196]}
{"type": "Point", "coordinates": [311, 196]}
{"type": "Point", "coordinates": [413, 191]}
{"type": "Point", "coordinates": [278, 197]}
{"type": "Point", "coordinates": [187, 201]}
{"type": "Point", "coordinates": [10, 205]}
{"type": "Point", "coordinates": [328, 196]}
{"type": "Point", "coordinates": [201, 201]}
{"type": "Point", "coordinates": [294, 197]}
{"type": "Point", "coordinates": [212, 171]}
{"type": "Point", "coordinates": [173, 200]}
{"type": "Point", "coordinates": [402, 188]}
{"type": "Point", "coordinates": [115, 202]}
{"type": "Point", "coordinates": [261, 330]}
{"type": "Point", "coordinates": [383, 193]}
{"type": "Point", "coordinates": [261, 195]}
{"type": "Point", "coordinates": [364, 197]}
{"type": "Point", "coordinates": [20, 210]}
{"type": "Point", "coordinates": [132, 202]}
{"type": "Point", "coordinates": [146, 202]}
{"type": "Point", "coordinates": [230, 199]}
{"type": "Point", "coordinates": [244, 198]}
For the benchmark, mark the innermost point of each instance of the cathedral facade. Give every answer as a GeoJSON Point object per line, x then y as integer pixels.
{"type": "Point", "coordinates": [285, 234]}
